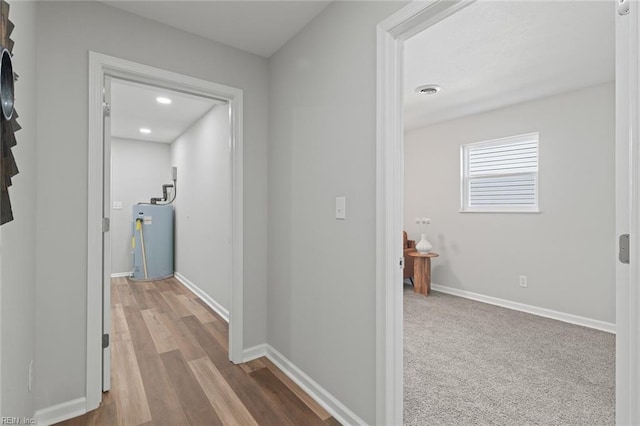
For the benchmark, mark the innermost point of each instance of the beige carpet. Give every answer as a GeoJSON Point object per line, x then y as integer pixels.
{"type": "Point", "coordinates": [470, 363]}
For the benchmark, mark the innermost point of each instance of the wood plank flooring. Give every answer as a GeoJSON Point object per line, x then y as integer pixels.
{"type": "Point", "coordinates": [169, 366]}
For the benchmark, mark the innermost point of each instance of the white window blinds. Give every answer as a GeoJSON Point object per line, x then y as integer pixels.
{"type": "Point", "coordinates": [501, 175]}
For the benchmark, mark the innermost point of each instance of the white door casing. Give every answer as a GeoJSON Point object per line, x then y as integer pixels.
{"type": "Point", "coordinates": [106, 234]}
{"type": "Point", "coordinates": [627, 196]}
{"type": "Point", "coordinates": [100, 66]}
{"type": "Point", "coordinates": [391, 34]}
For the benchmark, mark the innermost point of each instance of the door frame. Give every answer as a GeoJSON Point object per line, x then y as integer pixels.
{"type": "Point", "coordinates": [106, 236]}
{"type": "Point", "coordinates": [100, 66]}
{"type": "Point", "coordinates": [627, 215]}
{"type": "Point", "coordinates": [391, 35]}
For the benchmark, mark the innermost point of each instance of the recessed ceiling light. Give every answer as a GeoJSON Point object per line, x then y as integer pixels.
{"type": "Point", "coordinates": [428, 89]}
{"type": "Point", "coordinates": [145, 130]}
{"type": "Point", "coordinates": [163, 100]}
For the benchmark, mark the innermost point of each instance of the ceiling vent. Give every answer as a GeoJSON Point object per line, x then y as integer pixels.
{"type": "Point", "coordinates": [428, 89]}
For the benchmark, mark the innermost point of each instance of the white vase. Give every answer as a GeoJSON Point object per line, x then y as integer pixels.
{"type": "Point", "coordinates": [423, 245]}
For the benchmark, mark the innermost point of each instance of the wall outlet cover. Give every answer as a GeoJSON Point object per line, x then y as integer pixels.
{"type": "Point", "coordinates": [523, 281]}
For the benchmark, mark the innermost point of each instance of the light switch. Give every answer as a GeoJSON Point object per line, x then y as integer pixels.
{"type": "Point", "coordinates": [341, 208]}
{"type": "Point", "coordinates": [117, 205]}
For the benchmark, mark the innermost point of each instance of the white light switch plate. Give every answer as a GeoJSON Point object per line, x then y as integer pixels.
{"type": "Point", "coordinates": [117, 205]}
{"type": "Point", "coordinates": [341, 208]}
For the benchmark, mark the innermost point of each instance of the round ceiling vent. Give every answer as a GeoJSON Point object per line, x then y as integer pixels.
{"type": "Point", "coordinates": [6, 84]}
{"type": "Point", "coordinates": [428, 89]}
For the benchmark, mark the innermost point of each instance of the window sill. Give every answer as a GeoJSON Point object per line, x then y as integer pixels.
{"type": "Point", "coordinates": [506, 210]}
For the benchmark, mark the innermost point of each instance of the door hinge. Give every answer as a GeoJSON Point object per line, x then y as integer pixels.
{"type": "Point", "coordinates": [623, 249]}
{"type": "Point", "coordinates": [106, 224]}
{"type": "Point", "coordinates": [106, 109]}
{"type": "Point", "coordinates": [402, 263]}
{"type": "Point", "coordinates": [105, 341]}
{"type": "Point", "coordinates": [623, 7]}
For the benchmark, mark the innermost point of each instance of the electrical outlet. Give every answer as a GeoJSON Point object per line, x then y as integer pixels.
{"type": "Point", "coordinates": [523, 281]}
{"type": "Point", "coordinates": [30, 375]}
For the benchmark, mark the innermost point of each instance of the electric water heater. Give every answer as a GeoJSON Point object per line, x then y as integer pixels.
{"type": "Point", "coordinates": [152, 241]}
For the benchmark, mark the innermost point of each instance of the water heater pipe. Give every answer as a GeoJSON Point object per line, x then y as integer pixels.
{"type": "Point", "coordinates": [164, 199]}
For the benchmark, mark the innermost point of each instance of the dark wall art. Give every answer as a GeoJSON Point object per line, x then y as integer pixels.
{"type": "Point", "coordinates": [8, 117]}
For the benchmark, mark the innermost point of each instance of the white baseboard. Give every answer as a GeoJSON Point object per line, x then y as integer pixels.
{"type": "Point", "coordinates": [543, 312]}
{"type": "Point", "coordinates": [254, 352]}
{"type": "Point", "coordinates": [121, 274]}
{"type": "Point", "coordinates": [330, 403]}
{"type": "Point", "coordinates": [60, 412]}
{"type": "Point", "coordinates": [224, 313]}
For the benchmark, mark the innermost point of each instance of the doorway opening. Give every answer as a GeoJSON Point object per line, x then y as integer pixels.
{"type": "Point", "coordinates": [161, 140]}
{"type": "Point", "coordinates": [392, 34]}
{"type": "Point", "coordinates": [197, 233]}
{"type": "Point", "coordinates": [510, 188]}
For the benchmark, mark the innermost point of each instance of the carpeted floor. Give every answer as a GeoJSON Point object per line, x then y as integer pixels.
{"type": "Point", "coordinates": [470, 363]}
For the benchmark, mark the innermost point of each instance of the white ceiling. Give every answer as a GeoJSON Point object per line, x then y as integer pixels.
{"type": "Point", "coordinates": [495, 54]}
{"type": "Point", "coordinates": [259, 27]}
{"type": "Point", "coordinates": [134, 106]}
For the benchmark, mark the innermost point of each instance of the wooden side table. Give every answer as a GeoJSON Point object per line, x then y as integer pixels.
{"type": "Point", "coordinates": [422, 271]}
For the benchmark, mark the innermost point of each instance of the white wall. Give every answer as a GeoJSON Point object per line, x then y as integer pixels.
{"type": "Point", "coordinates": [567, 251]}
{"type": "Point", "coordinates": [322, 144]}
{"type": "Point", "coordinates": [18, 277]}
{"type": "Point", "coordinates": [66, 33]}
{"type": "Point", "coordinates": [203, 205]}
{"type": "Point", "coordinates": [138, 171]}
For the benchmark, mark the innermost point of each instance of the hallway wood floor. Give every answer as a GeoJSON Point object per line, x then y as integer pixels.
{"type": "Point", "coordinates": [170, 367]}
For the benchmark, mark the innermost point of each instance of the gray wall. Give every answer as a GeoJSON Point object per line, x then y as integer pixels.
{"type": "Point", "coordinates": [138, 171]}
{"type": "Point", "coordinates": [567, 250]}
{"type": "Point", "coordinates": [322, 144]}
{"type": "Point", "coordinates": [66, 32]}
{"type": "Point", "coordinates": [203, 205]}
{"type": "Point", "coordinates": [18, 247]}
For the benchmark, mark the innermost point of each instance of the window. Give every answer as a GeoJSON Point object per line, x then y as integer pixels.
{"type": "Point", "coordinates": [500, 175]}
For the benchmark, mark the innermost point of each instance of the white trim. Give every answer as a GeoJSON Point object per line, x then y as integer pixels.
{"type": "Point", "coordinates": [210, 301]}
{"type": "Point", "coordinates": [254, 352]}
{"type": "Point", "coordinates": [388, 179]}
{"type": "Point", "coordinates": [330, 403]}
{"type": "Point", "coordinates": [530, 309]}
{"type": "Point", "coordinates": [94, 237]}
{"type": "Point", "coordinates": [320, 395]}
{"type": "Point", "coordinates": [501, 210]}
{"type": "Point", "coordinates": [121, 274]}
{"type": "Point", "coordinates": [99, 66]}
{"type": "Point", "coordinates": [408, 21]}
{"type": "Point", "coordinates": [627, 210]}
{"type": "Point", "coordinates": [419, 15]}
{"type": "Point", "coordinates": [236, 317]}
{"type": "Point", "coordinates": [106, 238]}
{"type": "Point", "coordinates": [61, 412]}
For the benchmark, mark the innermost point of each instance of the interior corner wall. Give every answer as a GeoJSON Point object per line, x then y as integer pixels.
{"type": "Point", "coordinates": [138, 171]}
{"type": "Point", "coordinates": [203, 205]}
{"type": "Point", "coordinates": [322, 144]}
{"type": "Point", "coordinates": [567, 251]}
{"type": "Point", "coordinates": [18, 247]}
{"type": "Point", "coordinates": [67, 31]}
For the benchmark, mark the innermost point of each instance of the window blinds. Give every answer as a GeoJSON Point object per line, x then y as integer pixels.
{"type": "Point", "coordinates": [502, 173]}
